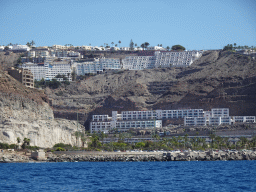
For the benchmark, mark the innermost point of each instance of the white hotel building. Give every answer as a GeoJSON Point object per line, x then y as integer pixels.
{"type": "Point", "coordinates": [151, 119]}
{"type": "Point", "coordinates": [161, 59]}
{"type": "Point", "coordinates": [49, 69]}
{"type": "Point", "coordinates": [138, 119]}
{"type": "Point", "coordinates": [139, 62]}
{"type": "Point", "coordinates": [179, 59]}
{"type": "Point", "coordinates": [217, 116]}
{"type": "Point", "coordinates": [98, 65]}
{"type": "Point", "coordinates": [38, 70]}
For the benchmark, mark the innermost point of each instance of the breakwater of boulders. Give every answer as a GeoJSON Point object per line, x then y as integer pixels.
{"type": "Point", "coordinates": [164, 156]}
{"type": "Point", "coordinates": [132, 157]}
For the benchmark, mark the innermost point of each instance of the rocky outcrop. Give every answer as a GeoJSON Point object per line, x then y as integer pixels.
{"type": "Point", "coordinates": [25, 114]}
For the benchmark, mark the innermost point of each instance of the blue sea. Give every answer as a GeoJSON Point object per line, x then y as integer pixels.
{"type": "Point", "coordinates": [130, 176]}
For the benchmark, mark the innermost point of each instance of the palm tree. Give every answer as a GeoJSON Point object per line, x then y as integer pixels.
{"type": "Point", "coordinates": [102, 136]}
{"type": "Point", "coordinates": [244, 141]}
{"type": "Point", "coordinates": [168, 48]}
{"type": "Point", "coordinates": [119, 43]}
{"type": "Point", "coordinates": [28, 44]}
{"type": "Point", "coordinates": [32, 43]}
{"type": "Point", "coordinates": [212, 136]}
{"type": "Point", "coordinates": [219, 141]}
{"type": "Point", "coordinates": [115, 45]}
{"type": "Point", "coordinates": [112, 43]}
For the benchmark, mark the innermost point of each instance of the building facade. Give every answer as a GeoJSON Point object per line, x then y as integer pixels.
{"type": "Point", "coordinates": [22, 75]}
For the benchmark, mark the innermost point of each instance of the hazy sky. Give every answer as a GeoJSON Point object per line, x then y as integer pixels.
{"type": "Point", "coordinates": [195, 24]}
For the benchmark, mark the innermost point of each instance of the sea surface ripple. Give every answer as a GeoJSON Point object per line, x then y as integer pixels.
{"type": "Point", "coordinates": [129, 176]}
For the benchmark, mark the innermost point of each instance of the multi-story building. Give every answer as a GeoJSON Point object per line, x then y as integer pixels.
{"type": "Point", "coordinates": [141, 119]}
{"type": "Point", "coordinates": [148, 119]}
{"type": "Point", "coordinates": [161, 59]}
{"type": "Point", "coordinates": [22, 75]}
{"type": "Point", "coordinates": [20, 48]}
{"type": "Point", "coordinates": [124, 48]}
{"type": "Point", "coordinates": [38, 70]}
{"type": "Point", "coordinates": [176, 58]}
{"type": "Point", "coordinates": [73, 54]}
{"type": "Point", "coordinates": [59, 47]}
{"type": "Point", "coordinates": [156, 48]}
{"type": "Point", "coordinates": [244, 119]}
{"type": "Point", "coordinates": [220, 112]}
{"type": "Point", "coordinates": [139, 62]}
{"type": "Point", "coordinates": [96, 66]}
{"type": "Point", "coordinates": [165, 114]}
{"type": "Point", "coordinates": [57, 68]}
{"type": "Point", "coordinates": [38, 53]}
{"type": "Point", "coordinates": [219, 116]}
{"type": "Point", "coordinates": [50, 69]}
{"type": "Point", "coordinates": [193, 121]}
{"type": "Point", "coordinates": [59, 53]}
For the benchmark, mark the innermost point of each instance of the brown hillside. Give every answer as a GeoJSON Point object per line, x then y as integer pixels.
{"type": "Point", "coordinates": [217, 79]}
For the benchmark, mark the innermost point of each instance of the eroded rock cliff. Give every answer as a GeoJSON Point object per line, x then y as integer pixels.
{"type": "Point", "coordinates": [25, 113]}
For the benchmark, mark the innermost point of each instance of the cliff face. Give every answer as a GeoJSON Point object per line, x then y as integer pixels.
{"type": "Point", "coordinates": [25, 114]}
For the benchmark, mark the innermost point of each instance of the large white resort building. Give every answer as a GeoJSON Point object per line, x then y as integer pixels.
{"type": "Point", "coordinates": [51, 66]}
{"type": "Point", "coordinates": [161, 59]}
{"type": "Point", "coordinates": [96, 66]}
{"type": "Point", "coordinates": [151, 119]}
{"type": "Point", "coordinates": [50, 69]}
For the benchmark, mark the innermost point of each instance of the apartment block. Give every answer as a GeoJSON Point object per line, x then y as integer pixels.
{"type": "Point", "coordinates": [96, 66]}
{"type": "Point", "coordinates": [193, 121]}
{"type": "Point", "coordinates": [141, 119]}
{"type": "Point", "coordinates": [178, 59]}
{"type": "Point", "coordinates": [244, 119]}
{"type": "Point", "coordinates": [22, 75]}
{"type": "Point", "coordinates": [220, 112]}
{"type": "Point", "coordinates": [139, 62]}
{"type": "Point", "coordinates": [38, 70]}
{"type": "Point", "coordinates": [123, 126]}
{"type": "Point", "coordinates": [55, 68]}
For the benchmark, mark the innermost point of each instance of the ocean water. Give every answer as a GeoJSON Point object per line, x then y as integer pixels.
{"type": "Point", "coordinates": [130, 176]}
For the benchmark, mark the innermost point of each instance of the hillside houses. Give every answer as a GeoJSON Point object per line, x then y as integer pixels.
{"type": "Point", "coordinates": [47, 62]}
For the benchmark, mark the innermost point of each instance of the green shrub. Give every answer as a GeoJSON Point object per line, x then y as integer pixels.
{"type": "Point", "coordinates": [59, 145]}
{"type": "Point", "coordinates": [4, 146]}
{"type": "Point", "coordinates": [60, 149]}
{"type": "Point", "coordinates": [13, 146]}
{"type": "Point", "coordinates": [33, 148]}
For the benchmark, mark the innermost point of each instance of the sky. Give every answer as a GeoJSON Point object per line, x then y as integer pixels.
{"type": "Point", "coordinates": [194, 24]}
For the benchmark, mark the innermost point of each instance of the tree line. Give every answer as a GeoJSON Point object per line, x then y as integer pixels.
{"type": "Point", "coordinates": [172, 143]}
{"type": "Point", "coordinates": [231, 47]}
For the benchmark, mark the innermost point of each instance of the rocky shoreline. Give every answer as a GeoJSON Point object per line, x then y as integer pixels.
{"type": "Point", "coordinates": [131, 157]}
